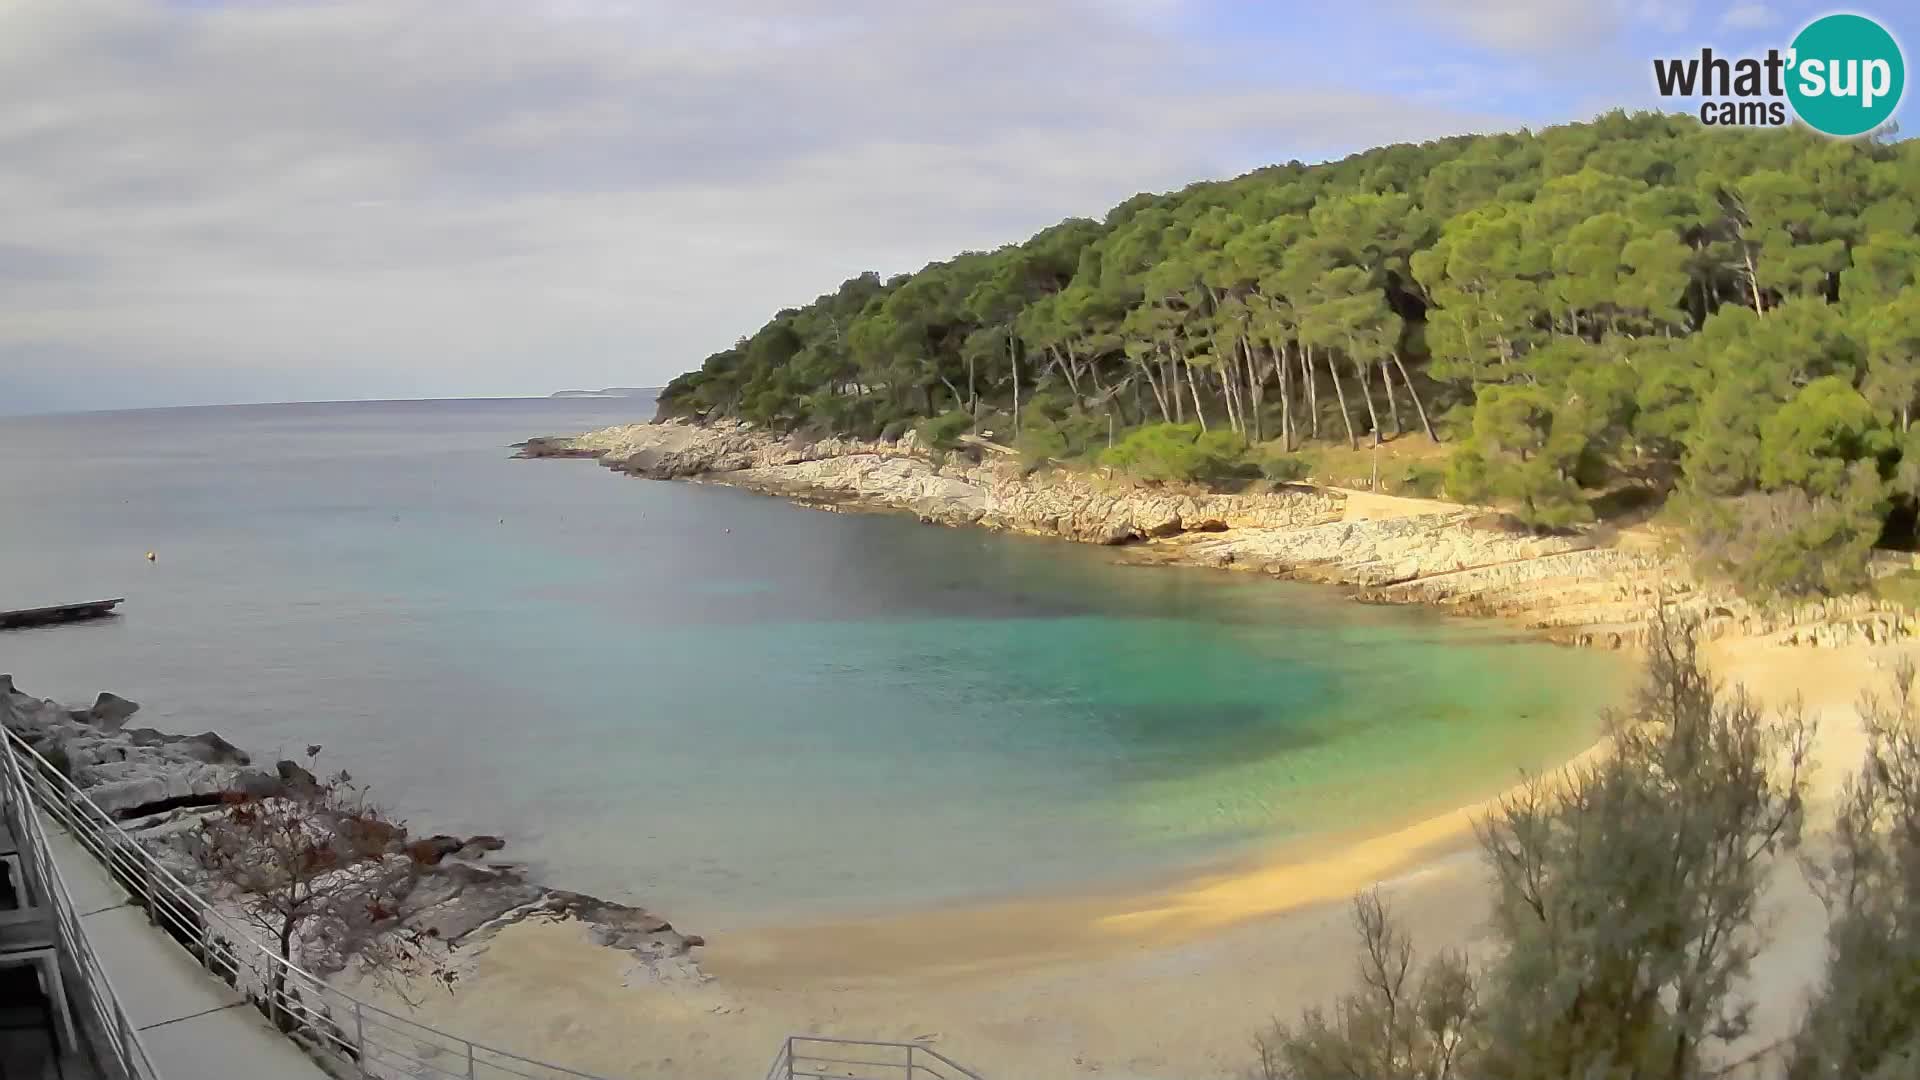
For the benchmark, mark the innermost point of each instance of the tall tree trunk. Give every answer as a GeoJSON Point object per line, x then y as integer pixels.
{"type": "Point", "coordinates": [1415, 395]}
{"type": "Point", "coordinates": [1060, 363]}
{"type": "Point", "coordinates": [1278, 356]}
{"type": "Point", "coordinates": [1366, 389]}
{"type": "Point", "coordinates": [1013, 357]}
{"type": "Point", "coordinates": [1236, 394]}
{"type": "Point", "coordinates": [973, 399]}
{"type": "Point", "coordinates": [1241, 392]}
{"type": "Point", "coordinates": [1393, 403]}
{"type": "Point", "coordinates": [1198, 413]}
{"type": "Point", "coordinates": [1172, 376]}
{"type": "Point", "coordinates": [1313, 390]}
{"type": "Point", "coordinates": [1341, 390]}
{"type": "Point", "coordinates": [1091, 366]}
{"type": "Point", "coordinates": [1256, 390]}
{"type": "Point", "coordinates": [1159, 396]}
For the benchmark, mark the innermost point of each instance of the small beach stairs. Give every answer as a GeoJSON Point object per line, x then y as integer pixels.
{"type": "Point", "coordinates": [817, 1057]}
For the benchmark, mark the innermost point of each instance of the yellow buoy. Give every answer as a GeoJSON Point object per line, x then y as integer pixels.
{"type": "Point", "coordinates": [149, 556]}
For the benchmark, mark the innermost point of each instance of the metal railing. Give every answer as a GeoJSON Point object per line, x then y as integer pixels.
{"type": "Point", "coordinates": [379, 1043]}
{"type": "Point", "coordinates": [110, 1034]}
{"type": "Point", "coordinates": [815, 1057]}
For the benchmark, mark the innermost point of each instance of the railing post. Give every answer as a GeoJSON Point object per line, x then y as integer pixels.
{"type": "Point", "coordinates": [152, 886]}
{"type": "Point", "coordinates": [909, 1061]}
{"type": "Point", "coordinates": [359, 1037]}
{"type": "Point", "coordinates": [469, 1060]}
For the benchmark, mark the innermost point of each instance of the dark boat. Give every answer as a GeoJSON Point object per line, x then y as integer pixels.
{"type": "Point", "coordinates": [58, 613]}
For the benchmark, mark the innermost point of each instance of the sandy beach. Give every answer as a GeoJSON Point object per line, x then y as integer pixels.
{"type": "Point", "coordinates": [1167, 983]}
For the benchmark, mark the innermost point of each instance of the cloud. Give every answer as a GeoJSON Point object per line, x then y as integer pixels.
{"type": "Point", "coordinates": [398, 196]}
{"type": "Point", "coordinates": [1749, 17]}
{"type": "Point", "coordinates": [1536, 26]}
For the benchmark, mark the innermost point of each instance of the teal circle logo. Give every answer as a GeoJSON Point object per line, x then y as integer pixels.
{"type": "Point", "coordinates": [1846, 75]}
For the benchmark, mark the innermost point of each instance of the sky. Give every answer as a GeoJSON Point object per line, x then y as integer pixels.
{"type": "Point", "coordinates": [207, 201]}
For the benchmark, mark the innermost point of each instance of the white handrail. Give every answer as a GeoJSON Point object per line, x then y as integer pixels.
{"type": "Point", "coordinates": [112, 1031]}
{"type": "Point", "coordinates": [823, 1057]}
{"type": "Point", "coordinates": [378, 1042]}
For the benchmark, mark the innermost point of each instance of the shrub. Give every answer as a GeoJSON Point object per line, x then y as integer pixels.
{"type": "Point", "coordinates": [943, 432]}
{"type": "Point", "coordinates": [1790, 543]}
{"type": "Point", "coordinates": [1902, 588]}
{"type": "Point", "coordinates": [1285, 468]}
{"type": "Point", "coordinates": [1177, 453]}
{"type": "Point", "coordinates": [1423, 480]}
{"type": "Point", "coordinates": [1038, 443]}
{"type": "Point", "coordinates": [1865, 1020]}
{"type": "Point", "coordinates": [1627, 895]}
{"type": "Point", "coordinates": [876, 415]}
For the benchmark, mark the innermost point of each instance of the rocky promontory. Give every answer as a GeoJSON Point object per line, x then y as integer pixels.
{"type": "Point", "coordinates": [1593, 586]}
{"type": "Point", "coordinates": [158, 787]}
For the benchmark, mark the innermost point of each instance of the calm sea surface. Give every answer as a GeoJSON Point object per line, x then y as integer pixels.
{"type": "Point", "coordinates": [731, 709]}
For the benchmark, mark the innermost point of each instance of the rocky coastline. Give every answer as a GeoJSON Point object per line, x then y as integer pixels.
{"type": "Point", "coordinates": [1591, 587]}
{"type": "Point", "coordinates": [157, 786]}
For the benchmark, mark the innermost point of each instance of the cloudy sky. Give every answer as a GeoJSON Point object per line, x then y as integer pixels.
{"type": "Point", "coordinates": [254, 200]}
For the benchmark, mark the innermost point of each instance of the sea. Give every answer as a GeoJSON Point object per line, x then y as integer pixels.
{"type": "Point", "coordinates": [735, 711]}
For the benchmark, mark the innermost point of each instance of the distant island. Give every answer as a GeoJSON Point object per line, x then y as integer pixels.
{"type": "Point", "coordinates": [611, 391]}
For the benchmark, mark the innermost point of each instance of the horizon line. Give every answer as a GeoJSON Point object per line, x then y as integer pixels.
{"type": "Point", "coordinates": [584, 395]}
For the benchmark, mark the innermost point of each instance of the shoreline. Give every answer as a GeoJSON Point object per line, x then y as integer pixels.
{"type": "Point", "coordinates": [158, 787]}
{"type": "Point", "coordinates": [1153, 982]}
{"type": "Point", "coordinates": [1148, 985]}
{"type": "Point", "coordinates": [1022, 933]}
{"type": "Point", "coordinates": [1287, 878]}
{"type": "Point", "coordinates": [1367, 544]}
{"type": "Point", "coordinates": [1102, 982]}
{"type": "Point", "coordinates": [1591, 587]}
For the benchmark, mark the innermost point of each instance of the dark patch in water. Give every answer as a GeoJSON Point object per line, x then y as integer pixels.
{"type": "Point", "coordinates": [1166, 740]}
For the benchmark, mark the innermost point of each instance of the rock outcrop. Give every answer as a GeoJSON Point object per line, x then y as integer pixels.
{"type": "Point", "coordinates": [1582, 588]}
{"type": "Point", "coordinates": [1420, 552]}
{"type": "Point", "coordinates": [161, 785]}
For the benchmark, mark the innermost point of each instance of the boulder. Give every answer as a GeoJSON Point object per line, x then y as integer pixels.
{"type": "Point", "coordinates": [455, 900]}
{"type": "Point", "coordinates": [110, 711]}
{"type": "Point", "coordinates": [294, 774]}
{"type": "Point", "coordinates": [476, 846]}
{"type": "Point", "coordinates": [207, 747]}
{"type": "Point", "coordinates": [1164, 526]}
{"type": "Point", "coordinates": [214, 750]}
{"type": "Point", "coordinates": [256, 784]}
{"type": "Point", "coordinates": [432, 849]}
{"type": "Point", "coordinates": [119, 796]}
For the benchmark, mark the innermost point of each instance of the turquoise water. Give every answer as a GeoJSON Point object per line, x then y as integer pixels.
{"type": "Point", "coordinates": [731, 709]}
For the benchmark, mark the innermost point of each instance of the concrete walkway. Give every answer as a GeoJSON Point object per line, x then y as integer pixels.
{"type": "Point", "coordinates": [194, 1026]}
